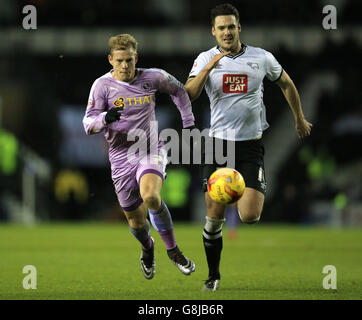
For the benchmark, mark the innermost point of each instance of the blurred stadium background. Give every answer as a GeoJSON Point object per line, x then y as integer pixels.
{"type": "Point", "coordinates": [50, 170]}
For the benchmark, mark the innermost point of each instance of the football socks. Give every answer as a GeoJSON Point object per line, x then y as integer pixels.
{"type": "Point", "coordinates": [212, 239]}
{"type": "Point", "coordinates": [162, 222]}
{"type": "Point", "coordinates": [143, 235]}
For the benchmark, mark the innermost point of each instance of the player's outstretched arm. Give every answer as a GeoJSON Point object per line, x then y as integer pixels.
{"type": "Point", "coordinates": [302, 126]}
{"type": "Point", "coordinates": [195, 85]}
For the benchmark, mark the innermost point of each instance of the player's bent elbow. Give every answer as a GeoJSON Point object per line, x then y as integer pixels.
{"type": "Point", "coordinates": [194, 98]}
{"type": "Point", "coordinates": [89, 132]}
{"type": "Point", "coordinates": [193, 95]}
{"type": "Point", "coordinates": [87, 129]}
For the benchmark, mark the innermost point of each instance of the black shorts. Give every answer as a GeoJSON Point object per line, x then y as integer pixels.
{"type": "Point", "coordinates": [249, 161]}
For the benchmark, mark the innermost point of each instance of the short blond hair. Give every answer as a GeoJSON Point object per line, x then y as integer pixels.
{"type": "Point", "coordinates": [122, 42]}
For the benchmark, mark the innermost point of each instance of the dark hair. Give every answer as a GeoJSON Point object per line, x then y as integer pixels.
{"type": "Point", "coordinates": [224, 10]}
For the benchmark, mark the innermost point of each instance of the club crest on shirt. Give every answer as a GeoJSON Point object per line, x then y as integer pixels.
{"type": "Point", "coordinates": [253, 65]}
{"type": "Point", "coordinates": [235, 83]}
{"type": "Point", "coordinates": [146, 85]}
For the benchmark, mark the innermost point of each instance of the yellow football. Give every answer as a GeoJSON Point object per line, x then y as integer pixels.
{"type": "Point", "coordinates": [226, 186]}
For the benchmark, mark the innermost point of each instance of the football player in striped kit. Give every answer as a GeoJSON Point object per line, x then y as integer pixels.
{"type": "Point", "coordinates": [123, 100]}
{"type": "Point", "coordinates": [232, 74]}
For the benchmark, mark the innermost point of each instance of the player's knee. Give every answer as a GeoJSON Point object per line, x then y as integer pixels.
{"type": "Point", "coordinates": [250, 217]}
{"type": "Point", "coordinates": [152, 201]}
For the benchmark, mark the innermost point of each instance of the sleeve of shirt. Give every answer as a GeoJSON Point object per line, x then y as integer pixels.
{"type": "Point", "coordinates": [201, 61]}
{"type": "Point", "coordinates": [170, 85]}
{"type": "Point", "coordinates": [273, 68]}
{"type": "Point", "coordinates": [94, 119]}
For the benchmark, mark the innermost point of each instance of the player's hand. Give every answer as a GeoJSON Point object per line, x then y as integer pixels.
{"type": "Point", "coordinates": [215, 60]}
{"type": "Point", "coordinates": [112, 115]}
{"type": "Point", "coordinates": [303, 128]}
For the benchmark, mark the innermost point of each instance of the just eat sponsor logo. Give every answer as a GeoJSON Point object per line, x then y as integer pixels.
{"type": "Point", "coordinates": [235, 83]}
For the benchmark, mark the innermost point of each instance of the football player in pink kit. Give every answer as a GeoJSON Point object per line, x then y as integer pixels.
{"type": "Point", "coordinates": [232, 74]}
{"type": "Point", "coordinates": [123, 100]}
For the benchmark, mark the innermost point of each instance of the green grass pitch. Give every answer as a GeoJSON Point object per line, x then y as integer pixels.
{"type": "Point", "coordinates": [101, 261]}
